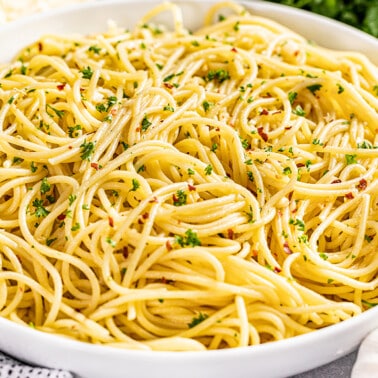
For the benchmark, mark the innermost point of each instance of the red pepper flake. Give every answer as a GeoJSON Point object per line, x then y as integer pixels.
{"type": "Point", "coordinates": [230, 233]}
{"type": "Point", "coordinates": [175, 198]}
{"type": "Point", "coordinates": [349, 195]}
{"type": "Point", "coordinates": [163, 280]}
{"type": "Point", "coordinates": [263, 135]}
{"type": "Point", "coordinates": [290, 195]}
{"type": "Point", "coordinates": [61, 86]}
{"type": "Point", "coordinates": [140, 221]}
{"type": "Point", "coordinates": [111, 221]}
{"type": "Point", "coordinates": [153, 200]}
{"type": "Point", "coordinates": [113, 111]}
{"type": "Point", "coordinates": [137, 129]}
{"type": "Point", "coordinates": [95, 166]}
{"type": "Point", "coordinates": [217, 129]}
{"type": "Point", "coordinates": [234, 50]}
{"type": "Point", "coordinates": [254, 252]}
{"type": "Point", "coordinates": [300, 165]}
{"type": "Point", "coordinates": [168, 245]}
{"type": "Point", "coordinates": [168, 85]}
{"type": "Point", "coordinates": [125, 252]}
{"type": "Point", "coordinates": [40, 46]}
{"type": "Point", "coordinates": [296, 53]}
{"type": "Point", "coordinates": [61, 217]}
{"type": "Point", "coordinates": [145, 215]}
{"type": "Point", "coordinates": [337, 181]}
{"type": "Point", "coordinates": [191, 188]}
{"type": "Point", "coordinates": [287, 249]}
{"type": "Point", "coordinates": [264, 112]}
{"type": "Point", "coordinates": [70, 147]}
{"type": "Point", "coordinates": [288, 127]}
{"type": "Point", "coordinates": [362, 185]}
{"type": "Point", "coordinates": [276, 269]}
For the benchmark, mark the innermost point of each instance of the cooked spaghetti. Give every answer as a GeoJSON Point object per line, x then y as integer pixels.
{"type": "Point", "coordinates": [168, 190]}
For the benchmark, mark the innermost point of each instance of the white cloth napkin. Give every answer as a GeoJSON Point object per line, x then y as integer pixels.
{"type": "Point", "coordinates": [366, 365]}
{"type": "Point", "coordinates": [10, 368]}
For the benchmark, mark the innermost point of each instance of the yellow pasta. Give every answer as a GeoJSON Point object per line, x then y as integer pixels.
{"type": "Point", "coordinates": [173, 190]}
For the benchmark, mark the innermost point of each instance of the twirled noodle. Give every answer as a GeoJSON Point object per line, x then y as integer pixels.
{"type": "Point", "coordinates": [183, 191]}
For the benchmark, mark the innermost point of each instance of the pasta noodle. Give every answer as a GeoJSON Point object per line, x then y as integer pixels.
{"type": "Point", "coordinates": [174, 190]}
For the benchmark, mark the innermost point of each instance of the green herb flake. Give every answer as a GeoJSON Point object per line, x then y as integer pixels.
{"type": "Point", "coordinates": [87, 72]}
{"type": "Point", "coordinates": [87, 149]}
{"type": "Point", "coordinates": [75, 227]}
{"type": "Point", "coordinates": [33, 167]}
{"type": "Point", "coordinates": [145, 123]}
{"type": "Point", "coordinates": [317, 142]}
{"type": "Point", "coordinates": [208, 169]}
{"type": "Point", "coordinates": [135, 184]}
{"type": "Point", "coordinates": [40, 210]}
{"type": "Point", "coordinates": [219, 75]}
{"type": "Point", "coordinates": [58, 113]}
{"type": "Point", "coordinates": [340, 88]}
{"type": "Point", "coordinates": [369, 304]}
{"type": "Point", "coordinates": [351, 159]}
{"type": "Point", "coordinates": [50, 241]}
{"type": "Point", "coordinates": [299, 111]}
{"type": "Point", "coordinates": [73, 131]}
{"type": "Point", "coordinates": [179, 198]}
{"type": "Point", "coordinates": [292, 96]}
{"type": "Point", "coordinates": [71, 199]}
{"type": "Point", "coordinates": [169, 108]}
{"type": "Point", "coordinates": [111, 242]}
{"type": "Point", "coordinates": [95, 49]}
{"type": "Point", "coordinates": [287, 171]}
{"type": "Point", "coordinates": [189, 239]}
{"type": "Point", "coordinates": [206, 105]}
{"type": "Point", "coordinates": [45, 186]}
{"type": "Point", "coordinates": [314, 88]}
{"type": "Point", "coordinates": [197, 320]}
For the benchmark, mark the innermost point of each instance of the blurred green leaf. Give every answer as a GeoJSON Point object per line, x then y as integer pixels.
{"type": "Point", "coordinates": [362, 14]}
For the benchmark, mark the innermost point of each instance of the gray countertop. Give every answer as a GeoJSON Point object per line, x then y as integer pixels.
{"type": "Point", "coordinates": [340, 368]}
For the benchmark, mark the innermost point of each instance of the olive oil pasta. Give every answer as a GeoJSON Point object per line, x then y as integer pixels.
{"type": "Point", "coordinates": [175, 190]}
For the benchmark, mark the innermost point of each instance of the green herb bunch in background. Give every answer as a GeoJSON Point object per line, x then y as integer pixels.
{"type": "Point", "coordinates": [362, 14]}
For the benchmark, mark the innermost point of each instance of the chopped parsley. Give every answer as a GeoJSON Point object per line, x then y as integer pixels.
{"type": "Point", "coordinates": [351, 159]}
{"type": "Point", "coordinates": [292, 96]}
{"type": "Point", "coordinates": [145, 123]}
{"type": "Point", "coordinates": [169, 108]}
{"type": "Point", "coordinates": [40, 210]}
{"type": "Point", "coordinates": [340, 88]}
{"type": "Point", "coordinates": [197, 320]}
{"type": "Point", "coordinates": [58, 113]}
{"type": "Point", "coordinates": [206, 105]}
{"type": "Point", "coordinates": [299, 111]}
{"type": "Point", "coordinates": [73, 131]}
{"type": "Point", "coordinates": [179, 198]}
{"type": "Point", "coordinates": [135, 184]}
{"type": "Point", "coordinates": [208, 170]}
{"type": "Point", "coordinates": [314, 87]}
{"type": "Point", "coordinates": [219, 75]}
{"type": "Point", "coordinates": [87, 72]}
{"type": "Point", "coordinates": [87, 149]}
{"type": "Point", "coordinates": [189, 239]}
{"type": "Point", "coordinates": [95, 49]}
{"type": "Point", "coordinates": [45, 186]}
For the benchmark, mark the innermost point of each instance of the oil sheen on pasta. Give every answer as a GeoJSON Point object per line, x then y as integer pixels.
{"type": "Point", "coordinates": [168, 190]}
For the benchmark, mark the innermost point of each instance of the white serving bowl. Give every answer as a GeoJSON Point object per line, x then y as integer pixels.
{"type": "Point", "coordinates": [278, 359]}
